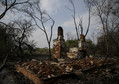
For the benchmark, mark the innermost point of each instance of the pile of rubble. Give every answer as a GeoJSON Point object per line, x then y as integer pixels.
{"type": "Point", "coordinates": [49, 69]}
{"type": "Point", "coordinates": [43, 69]}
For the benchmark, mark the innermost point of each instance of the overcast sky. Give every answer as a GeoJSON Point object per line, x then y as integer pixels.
{"type": "Point", "coordinates": [63, 17]}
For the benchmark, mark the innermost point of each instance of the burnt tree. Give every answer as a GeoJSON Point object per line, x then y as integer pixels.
{"type": "Point", "coordinates": [40, 18]}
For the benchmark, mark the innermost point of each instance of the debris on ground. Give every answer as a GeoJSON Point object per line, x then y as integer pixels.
{"type": "Point", "coordinates": [89, 69]}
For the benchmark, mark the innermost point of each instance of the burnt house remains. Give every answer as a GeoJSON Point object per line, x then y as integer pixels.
{"type": "Point", "coordinates": [59, 48]}
{"type": "Point", "coordinates": [59, 45]}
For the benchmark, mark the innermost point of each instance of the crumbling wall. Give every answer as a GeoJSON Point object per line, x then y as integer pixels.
{"type": "Point", "coordinates": [59, 45]}
{"type": "Point", "coordinates": [82, 43]}
{"type": "Point", "coordinates": [79, 51]}
{"type": "Point", "coordinates": [82, 46]}
{"type": "Point", "coordinates": [73, 53]}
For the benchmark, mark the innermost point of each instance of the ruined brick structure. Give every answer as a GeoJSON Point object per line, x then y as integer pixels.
{"type": "Point", "coordinates": [81, 43]}
{"type": "Point", "coordinates": [82, 46]}
{"type": "Point", "coordinates": [59, 45]}
{"type": "Point", "coordinates": [79, 51]}
{"type": "Point", "coordinates": [73, 52]}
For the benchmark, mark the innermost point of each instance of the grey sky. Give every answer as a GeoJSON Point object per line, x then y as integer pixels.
{"type": "Point", "coordinates": [62, 16]}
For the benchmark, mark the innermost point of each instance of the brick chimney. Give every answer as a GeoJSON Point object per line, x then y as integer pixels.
{"type": "Point", "coordinates": [59, 45]}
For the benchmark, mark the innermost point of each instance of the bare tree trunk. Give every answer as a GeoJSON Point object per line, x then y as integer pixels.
{"type": "Point", "coordinates": [107, 50]}
{"type": "Point", "coordinates": [21, 53]}
{"type": "Point", "coordinates": [49, 50]}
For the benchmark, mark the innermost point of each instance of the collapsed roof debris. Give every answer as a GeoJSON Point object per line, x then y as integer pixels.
{"type": "Point", "coordinates": [49, 69]}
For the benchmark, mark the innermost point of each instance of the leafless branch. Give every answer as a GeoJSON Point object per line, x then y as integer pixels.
{"type": "Point", "coordinates": [74, 17]}
{"type": "Point", "coordinates": [9, 6]}
{"type": "Point", "coordinates": [89, 17]}
{"type": "Point", "coordinates": [40, 20]}
{"type": "Point", "coordinates": [80, 25]}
